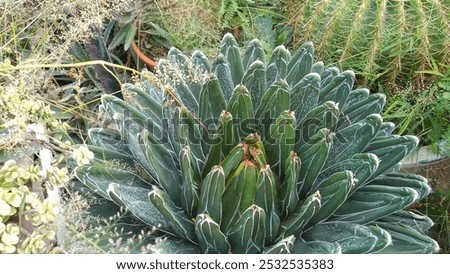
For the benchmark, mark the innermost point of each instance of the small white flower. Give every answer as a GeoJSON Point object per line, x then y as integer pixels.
{"type": "Point", "coordinates": [83, 155]}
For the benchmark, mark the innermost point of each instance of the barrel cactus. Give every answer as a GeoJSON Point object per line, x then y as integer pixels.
{"type": "Point", "coordinates": [246, 156]}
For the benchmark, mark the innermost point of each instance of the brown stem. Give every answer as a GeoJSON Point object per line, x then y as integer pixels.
{"type": "Point", "coordinates": [141, 56]}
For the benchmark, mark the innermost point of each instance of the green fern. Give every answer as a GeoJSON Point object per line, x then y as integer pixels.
{"type": "Point", "coordinates": [235, 13]}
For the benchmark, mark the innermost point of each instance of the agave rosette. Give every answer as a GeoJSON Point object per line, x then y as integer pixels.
{"type": "Point", "coordinates": [248, 156]}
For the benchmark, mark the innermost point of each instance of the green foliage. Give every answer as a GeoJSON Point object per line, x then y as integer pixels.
{"type": "Point", "coordinates": [259, 18]}
{"type": "Point", "coordinates": [243, 173]}
{"type": "Point", "coordinates": [437, 206]}
{"type": "Point", "coordinates": [424, 113]}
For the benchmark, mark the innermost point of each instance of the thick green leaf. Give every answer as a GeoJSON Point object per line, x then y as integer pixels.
{"type": "Point", "coordinates": [136, 200]}
{"type": "Point", "coordinates": [122, 113]}
{"type": "Point", "coordinates": [190, 188]}
{"type": "Point", "coordinates": [200, 62]}
{"type": "Point", "coordinates": [279, 143]}
{"type": "Point", "coordinates": [234, 158]}
{"type": "Point", "coordinates": [322, 117]}
{"type": "Point", "coordinates": [328, 75]}
{"type": "Point", "coordinates": [304, 211]}
{"type": "Point", "coordinates": [284, 246]}
{"type": "Point", "coordinates": [156, 92]}
{"type": "Point", "coordinates": [212, 102]}
{"type": "Point", "coordinates": [189, 134]}
{"type": "Point", "coordinates": [212, 189]}
{"type": "Point", "coordinates": [278, 65]}
{"type": "Point", "coordinates": [225, 139]}
{"type": "Point", "coordinates": [268, 111]}
{"type": "Point", "coordinates": [338, 89]}
{"type": "Point", "coordinates": [355, 97]}
{"type": "Point", "coordinates": [305, 95]}
{"type": "Point", "coordinates": [187, 71]}
{"type": "Point", "coordinates": [407, 240]}
{"type": "Point", "coordinates": [361, 165]}
{"type": "Point", "coordinates": [221, 68]}
{"type": "Point", "coordinates": [230, 49]}
{"type": "Point", "coordinates": [318, 67]}
{"type": "Point", "coordinates": [145, 101]}
{"type": "Point", "coordinates": [386, 129]}
{"type": "Point", "coordinates": [180, 223]}
{"type": "Point", "coordinates": [210, 238]}
{"type": "Point", "coordinates": [363, 108]}
{"type": "Point", "coordinates": [110, 155]}
{"type": "Point", "coordinates": [354, 139]}
{"type": "Point", "coordinates": [239, 193]}
{"type": "Point", "coordinates": [300, 64]}
{"type": "Point", "coordinates": [247, 234]}
{"type": "Point", "coordinates": [288, 195]}
{"type": "Point", "coordinates": [253, 52]}
{"type": "Point", "coordinates": [353, 238]}
{"type": "Point", "coordinates": [333, 191]}
{"type": "Point", "coordinates": [390, 151]}
{"type": "Point", "coordinates": [177, 86]}
{"type": "Point", "coordinates": [313, 155]}
{"type": "Point", "coordinates": [316, 247]}
{"type": "Point", "coordinates": [98, 178]}
{"type": "Point", "coordinates": [411, 218]}
{"type": "Point", "coordinates": [255, 81]}
{"type": "Point", "coordinates": [267, 198]}
{"type": "Point", "coordinates": [163, 162]}
{"type": "Point", "coordinates": [372, 202]}
{"type": "Point", "coordinates": [416, 182]}
{"type": "Point", "coordinates": [171, 122]}
{"type": "Point", "coordinates": [241, 108]}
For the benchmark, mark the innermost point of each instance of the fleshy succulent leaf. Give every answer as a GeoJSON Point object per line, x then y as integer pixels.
{"type": "Point", "coordinates": [316, 247]}
{"type": "Point", "coordinates": [253, 52]}
{"type": "Point", "coordinates": [177, 218]}
{"type": "Point", "coordinates": [352, 238]}
{"type": "Point", "coordinates": [277, 67]}
{"type": "Point", "coordinates": [212, 189]}
{"type": "Point", "coordinates": [98, 178]}
{"type": "Point", "coordinates": [280, 141]}
{"type": "Point", "coordinates": [283, 246]}
{"type": "Point", "coordinates": [288, 195]}
{"type": "Point", "coordinates": [338, 90]}
{"type": "Point", "coordinates": [313, 155]}
{"type": "Point", "coordinates": [305, 210]}
{"type": "Point", "coordinates": [230, 49]}
{"type": "Point", "coordinates": [413, 219]}
{"type": "Point", "coordinates": [190, 174]}
{"type": "Point", "coordinates": [247, 234]}
{"type": "Point", "coordinates": [305, 95]}
{"type": "Point", "coordinates": [372, 202]}
{"type": "Point", "coordinates": [135, 199]}
{"type": "Point", "coordinates": [255, 80]}
{"type": "Point", "coordinates": [239, 193]}
{"type": "Point", "coordinates": [333, 191]}
{"type": "Point", "coordinates": [221, 68]}
{"type": "Point", "coordinates": [407, 240]}
{"type": "Point", "coordinates": [266, 198]}
{"type": "Point", "coordinates": [211, 239]}
{"type": "Point", "coordinates": [300, 64]}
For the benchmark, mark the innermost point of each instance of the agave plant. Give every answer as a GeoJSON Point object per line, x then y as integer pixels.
{"type": "Point", "coordinates": [248, 156]}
